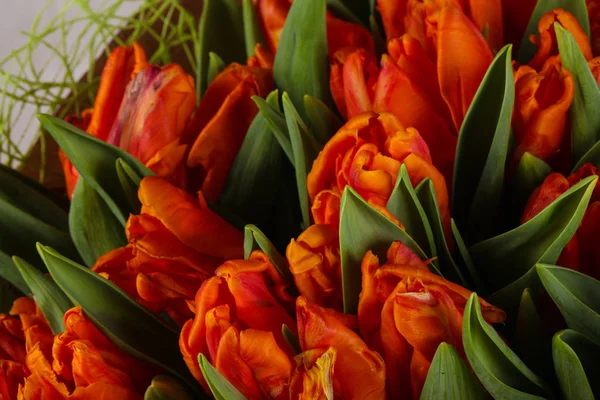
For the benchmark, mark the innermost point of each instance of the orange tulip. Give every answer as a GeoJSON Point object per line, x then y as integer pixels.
{"type": "Point", "coordinates": [244, 295]}
{"type": "Point", "coordinates": [593, 8]}
{"type": "Point", "coordinates": [487, 15]}
{"type": "Point", "coordinates": [405, 312]}
{"type": "Point", "coordinates": [314, 260]}
{"type": "Point", "coordinates": [352, 81]}
{"type": "Point", "coordinates": [546, 42]}
{"type": "Point", "coordinates": [272, 15]}
{"type": "Point", "coordinates": [122, 65]}
{"type": "Point", "coordinates": [366, 153]}
{"type": "Point", "coordinates": [174, 245]}
{"type": "Point", "coordinates": [542, 101]}
{"type": "Point", "coordinates": [220, 124]}
{"type": "Point", "coordinates": [595, 68]}
{"type": "Point", "coordinates": [357, 372]}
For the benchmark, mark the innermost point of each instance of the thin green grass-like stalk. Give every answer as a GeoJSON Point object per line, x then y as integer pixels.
{"type": "Point", "coordinates": [29, 89]}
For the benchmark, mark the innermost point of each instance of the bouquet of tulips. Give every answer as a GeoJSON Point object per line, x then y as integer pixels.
{"type": "Point", "coordinates": [349, 200]}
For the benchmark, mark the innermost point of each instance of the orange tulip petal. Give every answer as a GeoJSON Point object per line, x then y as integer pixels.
{"type": "Point", "coordinates": [313, 375]}
{"type": "Point", "coordinates": [487, 14]}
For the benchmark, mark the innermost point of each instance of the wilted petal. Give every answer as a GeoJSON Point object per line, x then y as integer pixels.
{"type": "Point", "coordinates": [313, 375]}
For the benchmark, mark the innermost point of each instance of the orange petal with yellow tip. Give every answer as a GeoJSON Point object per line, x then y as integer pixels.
{"type": "Point", "coordinates": [359, 372]}
{"type": "Point", "coordinates": [487, 15]}
{"type": "Point", "coordinates": [223, 118]}
{"type": "Point", "coordinates": [43, 378]}
{"type": "Point", "coordinates": [191, 221]}
{"type": "Point", "coordinates": [122, 65]}
{"type": "Point", "coordinates": [547, 42]}
{"type": "Point", "coordinates": [254, 364]}
{"type": "Point", "coordinates": [460, 76]}
{"type": "Point", "coordinates": [104, 391]}
{"type": "Point", "coordinates": [313, 375]}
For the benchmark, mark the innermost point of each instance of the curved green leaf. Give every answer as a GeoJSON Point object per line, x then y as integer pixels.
{"type": "Point", "coordinates": [529, 174]}
{"type": "Point", "coordinates": [592, 156]}
{"type": "Point", "coordinates": [50, 299]}
{"type": "Point", "coordinates": [220, 387]}
{"type": "Point", "coordinates": [254, 239]}
{"type": "Point", "coordinates": [95, 160]}
{"type": "Point", "coordinates": [363, 228]}
{"type": "Point", "coordinates": [126, 323]}
{"type": "Point", "coordinates": [404, 205]}
{"type": "Point", "coordinates": [305, 149]}
{"type": "Point", "coordinates": [577, 297]}
{"type": "Point", "coordinates": [215, 66]}
{"type": "Point", "coordinates": [10, 273]}
{"type": "Point", "coordinates": [323, 122]}
{"type": "Point", "coordinates": [449, 377]}
{"type": "Point", "coordinates": [276, 122]}
{"type": "Point", "coordinates": [221, 28]}
{"type": "Point", "coordinates": [507, 257]}
{"type": "Point", "coordinates": [341, 10]}
{"type": "Point", "coordinates": [301, 64]}
{"type": "Point", "coordinates": [465, 257]}
{"type": "Point", "coordinates": [426, 193]}
{"type": "Point", "coordinates": [576, 364]}
{"type": "Point", "coordinates": [164, 387]}
{"type": "Point", "coordinates": [498, 368]}
{"type": "Point", "coordinates": [130, 182]}
{"type": "Point", "coordinates": [94, 229]}
{"type": "Point", "coordinates": [481, 153]}
{"type": "Point", "coordinates": [8, 294]}
{"type": "Point", "coordinates": [249, 190]}
{"type": "Point", "coordinates": [252, 30]}
{"type": "Point", "coordinates": [576, 7]}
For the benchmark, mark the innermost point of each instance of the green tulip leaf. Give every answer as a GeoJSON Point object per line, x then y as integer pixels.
{"type": "Point", "coordinates": [291, 338]}
{"type": "Point", "coordinates": [481, 153]}
{"type": "Point", "coordinates": [323, 122]}
{"type": "Point", "coordinates": [249, 192]}
{"type": "Point", "coordinates": [10, 273]}
{"type": "Point", "coordinates": [254, 239]}
{"type": "Point", "coordinates": [220, 387]}
{"type": "Point", "coordinates": [404, 205]}
{"type": "Point", "coordinates": [592, 156]}
{"type": "Point", "coordinates": [360, 8]}
{"type": "Point", "coordinates": [584, 115]}
{"type": "Point", "coordinates": [341, 10]}
{"type": "Point", "coordinates": [277, 124]}
{"type": "Point", "coordinates": [509, 297]}
{"type": "Point", "coordinates": [301, 64]}
{"type": "Point", "coordinates": [363, 228]}
{"type": "Point", "coordinates": [578, 8]}
{"type": "Point", "coordinates": [529, 174]}
{"type": "Point", "coordinates": [164, 387]}
{"type": "Point", "coordinates": [221, 28]}
{"type": "Point", "coordinates": [95, 160]}
{"type": "Point", "coordinates": [49, 298]}
{"type": "Point", "coordinates": [305, 149]}
{"type": "Point", "coordinates": [130, 182]}
{"type": "Point", "coordinates": [465, 258]}
{"type": "Point", "coordinates": [252, 30]}
{"type": "Point", "coordinates": [506, 258]}
{"type": "Point", "coordinates": [576, 364]}
{"type": "Point", "coordinates": [449, 377]}
{"type": "Point", "coordinates": [125, 322]}
{"type": "Point", "coordinates": [426, 194]}
{"type": "Point", "coordinates": [215, 67]}
{"type": "Point", "coordinates": [94, 228]}
{"type": "Point", "coordinates": [577, 297]}
{"type": "Point", "coordinates": [498, 368]}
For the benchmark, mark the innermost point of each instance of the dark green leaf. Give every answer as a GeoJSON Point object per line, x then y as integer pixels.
{"type": "Point", "coordinates": [305, 149]}
{"type": "Point", "coordinates": [361, 8]}
{"type": "Point", "coordinates": [130, 182]}
{"type": "Point", "coordinates": [8, 294]}
{"type": "Point", "coordinates": [465, 258]}
{"type": "Point", "coordinates": [252, 30]}
{"type": "Point", "coordinates": [426, 194]}
{"type": "Point", "coordinates": [215, 66]}
{"type": "Point", "coordinates": [576, 364]}
{"type": "Point", "coordinates": [50, 299]}
{"type": "Point", "coordinates": [58, 197]}
{"type": "Point", "coordinates": [323, 122]}
{"type": "Point", "coordinates": [482, 150]}
{"type": "Point", "coordinates": [363, 228]}
{"type": "Point", "coordinates": [164, 387]}
{"type": "Point", "coordinates": [221, 28]}
{"type": "Point", "coordinates": [10, 273]}
{"type": "Point", "coordinates": [277, 125]}
{"type": "Point", "coordinates": [577, 297]}
{"type": "Point", "coordinates": [94, 228]}
{"type": "Point", "coordinates": [341, 10]}
{"type": "Point", "coordinates": [95, 160]}
{"type": "Point", "coordinates": [509, 297]}
{"type": "Point", "coordinates": [498, 368]}
{"type": "Point", "coordinates": [404, 205]}
{"type": "Point", "coordinates": [126, 323]}
{"type": "Point", "coordinates": [249, 190]}
{"type": "Point", "coordinates": [291, 338]}
{"type": "Point", "coordinates": [254, 239]}
{"type": "Point", "coordinates": [584, 115]}
{"type": "Point", "coordinates": [576, 7]}
{"type": "Point", "coordinates": [507, 257]}
{"type": "Point", "coordinates": [530, 173]}
{"type": "Point", "coordinates": [220, 387]}
{"type": "Point", "coordinates": [301, 64]}
{"type": "Point", "coordinates": [592, 156]}
{"type": "Point", "coordinates": [28, 196]}
{"type": "Point", "coordinates": [449, 377]}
